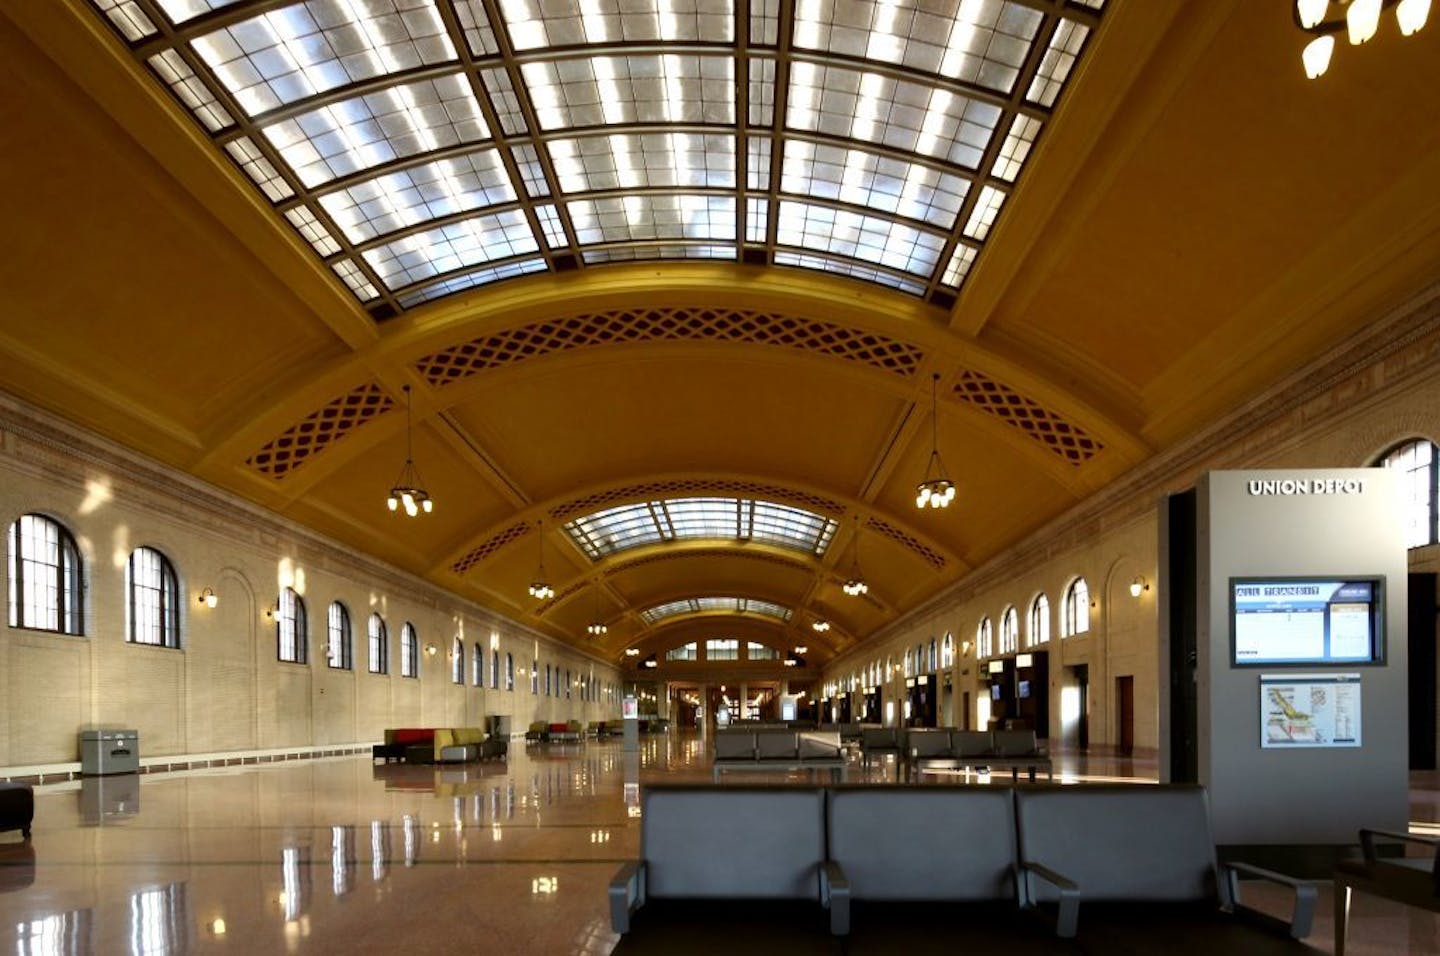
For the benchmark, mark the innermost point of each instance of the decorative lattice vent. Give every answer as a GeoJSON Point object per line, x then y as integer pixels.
{"type": "Point", "coordinates": [490, 545]}
{"type": "Point", "coordinates": [511, 346]}
{"type": "Point", "coordinates": [686, 487]}
{"type": "Point", "coordinates": [932, 557]}
{"type": "Point", "coordinates": [288, 450]}
{"type": "Point", "coordinates": [1070, 442]}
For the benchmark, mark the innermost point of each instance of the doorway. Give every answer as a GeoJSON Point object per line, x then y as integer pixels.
{"type": "Point", "coordinates": [1081, 674]}
{"type": "Point", "coordinates": [1125, 715]}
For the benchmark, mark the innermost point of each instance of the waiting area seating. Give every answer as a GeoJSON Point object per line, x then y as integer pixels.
{"type": "Point", "coordinates": [17, 807]}
{"type": "Point", "coordinates": [1102, 869]}
{"type": "Point", "coordinates": [947, 748]}
{"type": "Point", "coordinates": [440, 745]}
{"type": "Point", "coordinates": [810, 750]}
{"type": "Point", "coordinates": [1414, 881]}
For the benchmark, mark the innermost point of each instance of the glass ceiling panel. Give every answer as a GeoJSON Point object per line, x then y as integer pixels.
{"type": "Point", "coordinates": [737, 519]}
{"type": "Point", "coordinates": [575, 22]}
{"type": "Point", "coordinates": [647, 160]}
{"type": "Point", "coordinates": [611, 90]}
{"type": "Point", "coordinates": [357, 134]}
{"type": "Point", "coordinates": [734, 605]}
{"type": "Point", "coordinates": [409, 196]}
{"type": "Point", "coordinates": [982, 42]}
{"type": "Point", "coordinates": [298, 51]}
{"type": "Point", "coordinates": [899, 114]}
{"type": "Point", "coordinates": [880, 139]}
{"type": "Point", "coordinates": [645, 216]}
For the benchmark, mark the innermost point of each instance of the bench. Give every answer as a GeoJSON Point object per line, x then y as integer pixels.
{"type": "Point", "coordinates": [1133, 869]}
{"type": "Point", "coordinates": [947, 748]}
{"type": "Point", "coordinates": [779, 750]}
{"type": "Point", "coordinates": [723, 843]}
{"type": "Point", "coordinates": [17, 807]}
{"type": "Point", "coordinates": [1107, 869]}
{"type": "Point", "coordinates": [1414, 881]}
{"type": "Point", "coordinates": [398, 740]}
{"type": "Point", "coordinates": [881, 741]}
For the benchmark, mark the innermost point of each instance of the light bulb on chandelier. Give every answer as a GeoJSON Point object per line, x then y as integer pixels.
{"type": "Point", "coordinates": [407, 492]}
{"type": "Point", "coordinates": [935, 491]}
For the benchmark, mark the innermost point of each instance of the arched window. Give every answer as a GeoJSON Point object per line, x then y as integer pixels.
{"type": "Point", "coordinates": [567, 683]}
{"type": "Point", "coordinates": [379, 646]}
{"type": "Point", "coordinates": [909, 662]}
{"type": "Point", "coordinates": [547, 680]}
{"type": "Point", "coordinates": [44, 576]}
{"type": "Point", "coordinates": [984, 639]}
{"type": "Point", "coordinates": [1009, 631]}
{"type": "Point", "coordinates": [1039, 623]}
{"type": "Point", "coordinates": [934, 661]}
{"type": "Point", "coordinates": [457, 661]}
{"type": "Point", "coordinates": [1419, 480]}
{"type": "Point", "coordinates": [477, 666]}
{"type": "Point", "coordinates": [947, 651]}
{"type": "Point", "coordinates": [1076, 610]}
{"type": "Point", "coordinates": [535, 676]}
{"type": "Point", "coordinates": [409, 651]}
{"type": "Point", "coordinates": [337, 637]}
{"type": "Point", "coordinates": [153, 602]}
{"type": "Point", "coordinates": [509, 671]}
{"type": "Point", "coordinates": [291, 632]}
{"type": "Point", "coordinates": [494, 669]}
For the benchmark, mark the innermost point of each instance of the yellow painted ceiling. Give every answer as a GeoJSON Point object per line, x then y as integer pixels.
{"type": "Point", "coordinates": [1196, 221]}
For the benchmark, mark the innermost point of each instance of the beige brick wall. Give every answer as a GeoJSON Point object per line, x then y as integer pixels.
{"type": "Point", "coordinates": [224, 690]}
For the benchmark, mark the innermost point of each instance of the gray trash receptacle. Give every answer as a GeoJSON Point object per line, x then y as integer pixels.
{"type": "Point", "coordinates": [109, 751]}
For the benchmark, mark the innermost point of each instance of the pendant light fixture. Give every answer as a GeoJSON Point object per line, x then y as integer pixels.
{"type": "Point", "coordinates": [855, 584]}
{"type": "Point", "coordinates": [936, 491]}
{"type": "Point", "coordinates": [596, 627]}
{"type": "Point", "coordinates": [407, 491]}
{"type": "Point", "coordinates": [1358, 20]}
{"type": "Point", "coordinates": [540, 588]}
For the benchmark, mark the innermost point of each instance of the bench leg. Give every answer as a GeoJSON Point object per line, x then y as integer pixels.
{"type": "Point", "coordinates": [1342, 915]}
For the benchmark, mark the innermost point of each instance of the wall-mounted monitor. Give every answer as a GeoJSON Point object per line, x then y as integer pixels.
{"type": "Point", "coordinates": [1024, 689]}
{"type": "Point", "coordinates": [994, 691]}
{"type": "Point", "coordinates": [1307, 621]}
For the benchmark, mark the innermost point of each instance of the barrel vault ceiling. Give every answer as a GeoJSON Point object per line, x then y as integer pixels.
{"type": "Point", "coordinates": [671, 287]}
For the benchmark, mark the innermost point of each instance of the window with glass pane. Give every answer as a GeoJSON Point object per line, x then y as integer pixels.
{"type": "Point", "coordinates": [153, 599]}
{"type": "Point", "coordinates": [1039, 620]}
{"type": "Point", "coordinates": [547, 680]}
{"type": "Point", "coordinates": [494, 670]}
{"type": "Point", "coordinates": [685, 652]}
{"type": "Point", "coordinates": [909, 663]}
{"type": "Point", "coordinates": [1419, 480]}
{"type": "Point", "coordinates": [947, 651]}
{"type": "Point", "coordinates": [477, 666]}
{"type": "Point", "coordinates": [984, 639]}
{"type": "Point", "coordinates": [291, 634]}
{"type": "Point", "coordinates": [409, 651]}
{"type": "Point", "coordinates": [722, 649]}
{"type": "Point", "coordinates": [457, 662]}
{"type": "Point", "coordinates": [567, 684]}
{"type": "Point", "coordinates": [761, 652]}
{"type": "Point", "coordinates": [44, 576]}
{"type": "Point", "coordinates": [933, 661]}
{"type": "Point", "coordinates": [1076, 609]}
{"type": "Point", "coordinates": [379, 646]}
{"type": "Point", "coordinates": [337, 637]}
{"type": "Point", "coordinates": [509, 671]}
{"type": "Point", "coordinates": [1009, 631]}
{"type": "Point", "coordinates": [535, 677]}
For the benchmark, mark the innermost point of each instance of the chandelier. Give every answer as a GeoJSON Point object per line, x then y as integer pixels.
{"type": "Point", "coordinates": [821, 625]}
{"type": "Point", "coordinates": [540, 588]}
{"type": "Point", "coordinates": [855, 584]}
{"type": "Point", "coordinates": [936, 491]}
{"type": "Point", "coordinates": [407, 490]}
{"type": "Point", "coordinates": [1358, 18]}
{"type": "Point", "coordinates": [596, 627]}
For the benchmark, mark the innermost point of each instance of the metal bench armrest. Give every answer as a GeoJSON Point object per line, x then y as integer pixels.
{"type": "Point", "coordinates": [1306, 895]}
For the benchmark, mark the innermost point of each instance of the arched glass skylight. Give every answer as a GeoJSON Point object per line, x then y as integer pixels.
{"type": "Point", "coordinates": [675, 519]}
{"type": "Point", "coordinates": [423, 147]}
{"type": "Point", "coordinates": [734, 605]}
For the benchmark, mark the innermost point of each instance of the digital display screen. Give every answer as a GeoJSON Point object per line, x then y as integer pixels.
{"type": "Point", "coordinates": [1306, 620]}
{"type": "Point", "coordinates": [1024, 689]}
{"type": "Point", "coordinates": [994, 691]}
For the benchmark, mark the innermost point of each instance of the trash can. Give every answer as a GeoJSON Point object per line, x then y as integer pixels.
{"type": "Point", "coordinates": [109, 751]}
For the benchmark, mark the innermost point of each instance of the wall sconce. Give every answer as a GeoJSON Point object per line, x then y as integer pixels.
{"type": "Point", "coordinates": [270, 613]}
{"type": "Point", "coordinates": [209, 598]}
{"type": "Point", "coordinates": [431, 650]}
{"type": "Point", "coordinates": [1139, 586]}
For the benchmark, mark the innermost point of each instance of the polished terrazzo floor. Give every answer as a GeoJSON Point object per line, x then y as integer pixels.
{"type": "Point", "coordinates": [344, 855]}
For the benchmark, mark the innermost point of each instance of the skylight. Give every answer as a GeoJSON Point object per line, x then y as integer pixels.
{"type": "Point", "coordinates": [678, 519]}
{"type": "Point", "coordinates": [425, 147]}
{"type": "Point", "coordinates": [733, 605]}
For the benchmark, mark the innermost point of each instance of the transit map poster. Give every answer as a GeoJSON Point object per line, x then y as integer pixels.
{"type": "Point", "coordinates": [1309, 710]}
